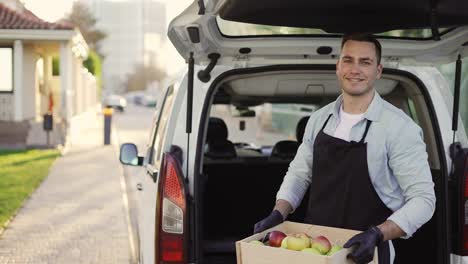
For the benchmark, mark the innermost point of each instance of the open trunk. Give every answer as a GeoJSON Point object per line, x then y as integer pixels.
{"type": "Point", "coordinates": [241, 173]}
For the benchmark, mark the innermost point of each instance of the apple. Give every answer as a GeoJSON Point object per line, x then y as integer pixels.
{"type": "Point", "coordinates": [334, 249]}
{"type": "Point", "coordinates": [256, 242]}
{"type": "Point", "coordinates": [295, 243]}
{"type": "Point", "coordinates": [275, 238]}
{"type": "Point", "coordinates": [311, 250]}
{"type": "Point", "coordinates": [305, 237]}
{"type": "Point", "coordinates": [322, 244]}
{"type": "Point", "coordinates": [284, 243]}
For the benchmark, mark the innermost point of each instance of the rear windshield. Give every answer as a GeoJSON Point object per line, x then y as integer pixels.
{"type": "Point", "coordinates": [238, 29]}
{"type": "Point", "coordinates": [263, 125]}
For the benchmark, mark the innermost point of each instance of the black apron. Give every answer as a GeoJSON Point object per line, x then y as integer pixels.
{"type": "Point", "coordinates": [341, 192]}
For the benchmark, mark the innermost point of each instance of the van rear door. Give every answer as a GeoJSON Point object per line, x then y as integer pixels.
{"type": "Point", "coordinates": [419, 31]}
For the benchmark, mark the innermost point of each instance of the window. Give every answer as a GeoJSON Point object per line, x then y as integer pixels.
{"type": "Point", "coordinates": [6, 69]}
{"type": "Point", "coordinates": [236, 29]}
{"type": "Point", "coordinates": [160, 134]}
{"type": "Point", "coordinates": [271, 123]}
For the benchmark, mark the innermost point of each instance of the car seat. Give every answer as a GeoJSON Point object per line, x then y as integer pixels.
{"type": "Point", "coordinates": [286, 149]}
{"type": "Point", "coordinates": [217, 145]}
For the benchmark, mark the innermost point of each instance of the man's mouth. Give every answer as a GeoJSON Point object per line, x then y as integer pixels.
{"type": "Point", "coordinates": [354, 80]}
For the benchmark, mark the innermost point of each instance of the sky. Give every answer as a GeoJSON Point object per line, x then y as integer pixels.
{"type": "Point", "coordinates": [52, 10]}
{"type": "Point", "coordinates": [49, 10]}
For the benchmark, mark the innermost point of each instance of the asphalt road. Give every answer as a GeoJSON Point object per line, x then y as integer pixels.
{"type": "Point", "coordinates": [134, 126]}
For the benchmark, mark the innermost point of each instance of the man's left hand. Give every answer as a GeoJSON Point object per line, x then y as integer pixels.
{"type": "Point", "coordinates": [365, 243]}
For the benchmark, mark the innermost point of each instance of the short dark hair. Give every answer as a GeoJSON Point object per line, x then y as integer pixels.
{"type": "Point", "coordinates": [366, 37]}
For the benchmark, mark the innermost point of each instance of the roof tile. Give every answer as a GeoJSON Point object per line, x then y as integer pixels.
{"type": "Point", "coordinates": [11, 19]}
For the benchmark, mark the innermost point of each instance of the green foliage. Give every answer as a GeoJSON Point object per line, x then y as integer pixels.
{"type": "Point", "coordinates": [21, 173]}
{"type": "Point", "coordinates": [94, 65]}
{"type": "Point", "coordinates": [55, 66]}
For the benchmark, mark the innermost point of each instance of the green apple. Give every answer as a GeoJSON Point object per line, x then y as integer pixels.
{"type": "Point", "coordinates": [334, 249]}
{"type": "Point", "coordinates": [295, 243]}
{"type": "Point", "coordinates": [311, 250]}
{"type": "Point", "coordinates": [305, 237]}
{"type": "Point", "coordinates": [284, 243]}
{"type": "Point", "coordinates": [256, 242]}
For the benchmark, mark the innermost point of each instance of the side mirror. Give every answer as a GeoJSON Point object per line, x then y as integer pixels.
{"type": "Point", "coordinates": [129, 155]}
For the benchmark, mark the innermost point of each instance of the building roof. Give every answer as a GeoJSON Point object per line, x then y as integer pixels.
{"type": "Point", "coordinates": [12, 19]}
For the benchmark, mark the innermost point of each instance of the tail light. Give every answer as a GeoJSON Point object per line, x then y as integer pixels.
{"type": "Point", "coordinates": [463, 164]}
{"type": "Point", "coordinates": [171, 214]}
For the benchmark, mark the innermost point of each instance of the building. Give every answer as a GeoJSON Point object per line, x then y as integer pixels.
{"type": "Point", "coordinates": [136, 31]}
{"type": "Point", "coordinates": [28, 87]}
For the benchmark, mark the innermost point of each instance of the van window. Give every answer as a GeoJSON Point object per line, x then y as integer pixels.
{"type": "Point", "coordinates": [271, 122]}
{"type": "Point", "coordinates": [160, 132]}
{"type": "Point", "coordinates": [237, 29]}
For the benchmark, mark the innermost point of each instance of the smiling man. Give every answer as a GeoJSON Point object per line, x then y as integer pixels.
{"type": "Point", "coordinates": [364, 161]}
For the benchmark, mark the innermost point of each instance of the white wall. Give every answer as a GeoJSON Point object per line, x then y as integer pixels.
{"type": "Point", "coordinates": [29, 83]}
{"type": "Point", "coordinates": [6, 107]}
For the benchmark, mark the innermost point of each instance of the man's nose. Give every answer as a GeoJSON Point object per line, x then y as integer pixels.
{"type": "Point", "coordinates": [355, 68]}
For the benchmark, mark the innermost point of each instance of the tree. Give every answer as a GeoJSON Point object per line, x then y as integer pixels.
{"type": "Point", "coordinates": [94, 65]}
{"type": "Point", "coordinates": [81, 17]}
{"type": "Point", "coordinates": [142, 76]}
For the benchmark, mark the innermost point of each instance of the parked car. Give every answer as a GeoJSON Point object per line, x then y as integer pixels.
{"type": "Point", "coordinates": [196, 201]}
{"type": "Point", "coordinates": [148, 100]}
{"type": "Point", "coordinates": [116, 101]}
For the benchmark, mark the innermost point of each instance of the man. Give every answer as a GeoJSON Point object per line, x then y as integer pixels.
{"type": "Point", "coordinates": [364, 161]}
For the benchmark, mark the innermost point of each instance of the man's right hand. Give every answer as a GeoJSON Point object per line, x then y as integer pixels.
{"type": "Point", "coordinates": [275, 218]}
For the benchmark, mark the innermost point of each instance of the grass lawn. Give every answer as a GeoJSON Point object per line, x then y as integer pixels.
{"type": "Point", "coordinates": [21, 172]}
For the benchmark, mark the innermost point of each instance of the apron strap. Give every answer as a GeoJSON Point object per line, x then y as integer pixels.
{"type": "Point", "coordinates": [325, 124]}
{"type": "Point", "coordinates": [384, 253]}
{"type": "Point", "coordinates": [365, 132]}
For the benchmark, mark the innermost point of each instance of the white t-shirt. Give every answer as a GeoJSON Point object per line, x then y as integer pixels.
{"type": "Point", "coordinates": [347, 121]}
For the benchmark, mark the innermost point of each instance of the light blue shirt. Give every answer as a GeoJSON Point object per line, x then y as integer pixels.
{"type": "Point", "coordinates": [396, 157]}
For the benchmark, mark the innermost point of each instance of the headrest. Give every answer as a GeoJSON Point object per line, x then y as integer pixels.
{"type": "Point", "coordinates": [217, 130]}
{"type": "Point", "coordinates": [300, 128]}
{"type": "Point", "coordinates": [285, 149]}
{"type": "Point", "coordinates": [218, 147]}
{"type": "Point", "coordinates": [220, 150]}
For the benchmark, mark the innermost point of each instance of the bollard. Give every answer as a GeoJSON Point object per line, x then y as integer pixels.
{"type": "Point", "coordinates": [107, 124]}
{"type": "Point", "coordinates": [48, 125]}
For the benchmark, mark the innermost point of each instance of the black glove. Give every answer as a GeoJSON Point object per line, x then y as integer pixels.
{"type": "Point", "coordinates": [366, 243]}
{"type": "Point", "coordinates": [275, 218]}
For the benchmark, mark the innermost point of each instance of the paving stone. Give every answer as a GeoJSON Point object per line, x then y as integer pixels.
{"type": "Point", "coordinates": [77, 214]}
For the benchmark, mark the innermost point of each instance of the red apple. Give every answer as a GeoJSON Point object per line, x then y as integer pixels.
{"type": "Point", "coordinates": [322, 244]}
{"type": "Point", "coordinates": [275, 238]}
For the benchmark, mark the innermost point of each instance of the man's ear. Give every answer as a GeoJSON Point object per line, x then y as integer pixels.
{"type": "Point", "coordinates": [379, 71]}
{"type": "Point", "coordinates": [337, 67]}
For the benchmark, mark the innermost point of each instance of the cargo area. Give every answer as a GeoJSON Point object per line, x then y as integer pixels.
{"type": "Point", "coordinates": [258, 119]}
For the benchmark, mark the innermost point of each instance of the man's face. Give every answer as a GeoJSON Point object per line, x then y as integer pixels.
{"type": "Point", "coordinates": [357, 69]}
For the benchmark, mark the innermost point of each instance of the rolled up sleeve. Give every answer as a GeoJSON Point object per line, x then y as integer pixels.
{"type": "Point", "coordinates": [408, 161]}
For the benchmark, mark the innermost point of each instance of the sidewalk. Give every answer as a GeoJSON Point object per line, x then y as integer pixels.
{"type": "Point", "coordinates": [77, 215]}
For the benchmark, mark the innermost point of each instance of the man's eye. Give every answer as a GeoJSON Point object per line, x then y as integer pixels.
{"type": "Point", "coordinates": [366, 63]}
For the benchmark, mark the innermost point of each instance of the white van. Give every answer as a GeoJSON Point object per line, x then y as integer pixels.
{"type": "Point", "coordinates": [225, 131]}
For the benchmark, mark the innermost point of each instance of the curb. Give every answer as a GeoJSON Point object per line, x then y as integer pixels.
{"type": "Point", "coordinates": [116, 145]}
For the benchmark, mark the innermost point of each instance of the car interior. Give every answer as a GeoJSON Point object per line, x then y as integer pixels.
{"type": "Point", "coordinates": [240, 180]}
